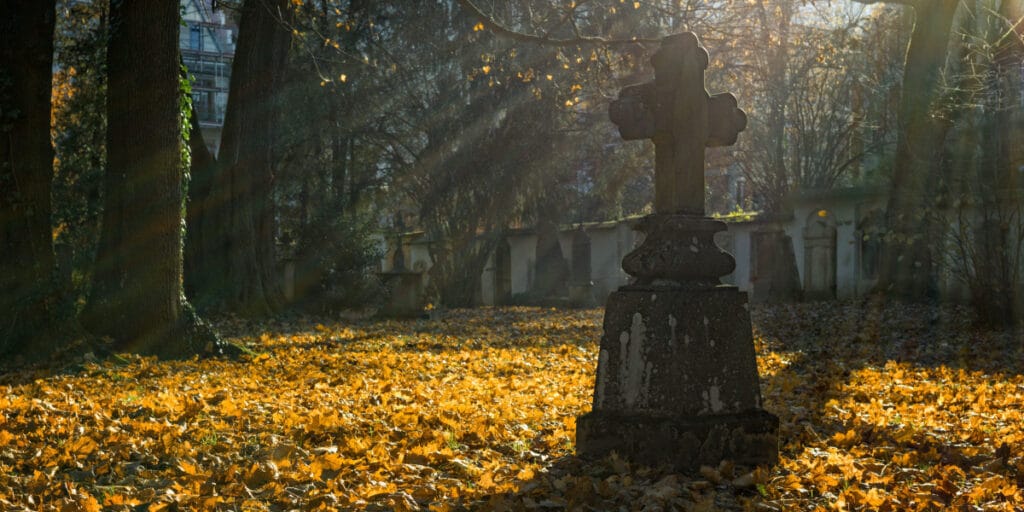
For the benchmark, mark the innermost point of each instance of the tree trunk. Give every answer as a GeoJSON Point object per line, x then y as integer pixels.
{"type": "Point", "coordinates": [339, 153]}
{"type": "Point", "coordinates": [240, 216]}
{"type": "Point", "coordinates": [907, 266]}
{"type": "Point", "coordinates": [137, 297]}
{"type": "Point", "coordinates": [27, 297]}
{"type": "Point", "coordinates": [778, 92]}
{"type": "Point", "coordinates": [199, 241]}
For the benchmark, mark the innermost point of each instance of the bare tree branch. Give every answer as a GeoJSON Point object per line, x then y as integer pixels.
{"type": "Point", "coordinates": [495, 26]}
{"type": "Point", "coordinates": [912, 3]}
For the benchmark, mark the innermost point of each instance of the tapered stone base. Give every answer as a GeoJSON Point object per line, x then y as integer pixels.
{"type": "Point", "coordinates": [677, 381]}
{"type": "Point", "coordinates": [685, 443]}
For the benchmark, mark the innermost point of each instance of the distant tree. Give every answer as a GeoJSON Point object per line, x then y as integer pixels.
{"type": "Point", "coordinates": [907, 266]}
{"type": "Point", "coordinates": [804, 85]}
{"type": "Point", "coordinates": [27, 298]}
{"type": "Point", "coordinates": [137, 297]}
{"type": "Point", "coordinates": [495, 149]}
{"type": "Point", "coordinates": [982, 159]}
{"type": "Point", "coordinates": [336, 125]}
{"type": "Point", "coordinates": [796, 66]}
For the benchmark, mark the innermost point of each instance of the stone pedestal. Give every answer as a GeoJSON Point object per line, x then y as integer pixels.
{"type": "Point", "coordinates": [677, 378]}
{"type": "Point", "coordinates": [683, 442]}
{"type": "Point", "coordinates": [581, 288]}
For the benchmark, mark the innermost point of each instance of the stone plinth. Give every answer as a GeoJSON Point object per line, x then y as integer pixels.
{"type": "Point", "coordinates": [684, 442]}
{"type": "Point", "coordinates": [677, 378]}
{"type": "Point", "coordinates": [677, 381]}
{"type": "Point", "coordinates": [669, 351]}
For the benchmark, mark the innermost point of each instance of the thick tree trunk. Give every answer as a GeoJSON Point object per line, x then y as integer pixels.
{"type": "Point", "coordinates": [907, 265]}
{"type": "Point", "coordinates": [137, 297]}
{"type": "Point", "coordinates": [27, 298]}
{"type": "Point", "coordinates": [200, 239]}
{"type": "Point", "coordinates": [239, 215]}
{"type": "Point", "coordinates": [778, 92]}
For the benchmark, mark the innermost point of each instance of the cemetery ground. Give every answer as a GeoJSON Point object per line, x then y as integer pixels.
{"type": "Point", "coordinates": [882, 407]}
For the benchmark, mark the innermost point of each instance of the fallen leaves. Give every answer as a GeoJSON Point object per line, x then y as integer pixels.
{"type": "Point", "coordinates": [916, 412]}
{"type": "Point", "coordinates": [880, 410]}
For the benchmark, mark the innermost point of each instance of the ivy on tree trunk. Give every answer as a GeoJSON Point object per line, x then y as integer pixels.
{"type": "Point", "coordinates": [137, 297]}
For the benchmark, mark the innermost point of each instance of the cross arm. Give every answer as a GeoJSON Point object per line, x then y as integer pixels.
{"type": "Point", "coordinates": [633, 112]}
{"type": "Point", "coordinates": [725, 120]}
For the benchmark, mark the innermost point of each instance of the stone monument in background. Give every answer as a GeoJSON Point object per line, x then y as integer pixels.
{"type": "Point", "coordinates": [677, 378]}
{"type": "Point", "coordinates": [581, 284]}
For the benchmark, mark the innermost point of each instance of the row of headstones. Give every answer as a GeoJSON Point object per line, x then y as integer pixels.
{"type": "Point", "coordinates": [555, 279]}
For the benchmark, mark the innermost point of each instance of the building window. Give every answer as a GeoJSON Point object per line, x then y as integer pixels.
{"type": "Point", "coordinates": [195, 38]}
{"type": "Point", "coordinates": [201, 102]}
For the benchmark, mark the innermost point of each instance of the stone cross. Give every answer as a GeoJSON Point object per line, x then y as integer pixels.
{"type": "Point", "coordinates": [676, 111]}
{"type": "Point", "coordinates": [677, 375]}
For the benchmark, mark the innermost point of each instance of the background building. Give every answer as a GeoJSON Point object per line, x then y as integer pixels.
{"type": "Point", "coordinates": [207, 42]}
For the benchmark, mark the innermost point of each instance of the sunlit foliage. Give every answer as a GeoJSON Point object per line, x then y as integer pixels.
{"type": "Point", "coordinates": [79, 128]}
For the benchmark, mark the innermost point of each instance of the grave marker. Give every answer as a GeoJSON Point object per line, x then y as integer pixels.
{"type": "Point", "coordinates": [677, 377]}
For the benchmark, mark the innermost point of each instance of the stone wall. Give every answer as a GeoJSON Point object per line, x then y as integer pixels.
{"type": "Point", "coordinates": [827, 230]}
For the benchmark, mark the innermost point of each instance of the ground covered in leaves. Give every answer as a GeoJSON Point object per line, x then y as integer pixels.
{"type": "Point", "coordinates": [882, 407]}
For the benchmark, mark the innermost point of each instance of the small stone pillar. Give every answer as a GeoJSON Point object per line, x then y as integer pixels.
{"type": "Point", "coordinates": [677, 380]}
{"type": "Point", "coordinates": [551, 272]}
{"type": "Point", "coordinates": [404, 287]}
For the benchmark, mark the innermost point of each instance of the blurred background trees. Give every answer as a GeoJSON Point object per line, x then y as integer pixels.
{"type": "Point", "coordinates": [463, 119]}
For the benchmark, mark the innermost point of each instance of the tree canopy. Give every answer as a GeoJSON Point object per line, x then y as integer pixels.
{"type": "Point", "coordinates": [350, 120]}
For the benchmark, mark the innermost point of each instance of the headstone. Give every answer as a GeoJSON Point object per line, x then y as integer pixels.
{"type": "Point", "coordinates": [551, 275]}
{"type": "Point", "coordinates": [405, 295]}
{"type": "Point", "coordinates": [289, 279]}
{"type": "Point", "coordinates": [581, 286]}
{"type": "Point", "coordinates": [398, 258]}
{"type": "Point", "coordinates": [677, 380]}
{"type": "Point", "coordinates": [775, 278]}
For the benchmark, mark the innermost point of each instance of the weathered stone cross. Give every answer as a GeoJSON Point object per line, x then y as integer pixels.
{"type": "Point", "coordinates": [677, 375]}
{"type": "Point", "coordinates": [676, 111]}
